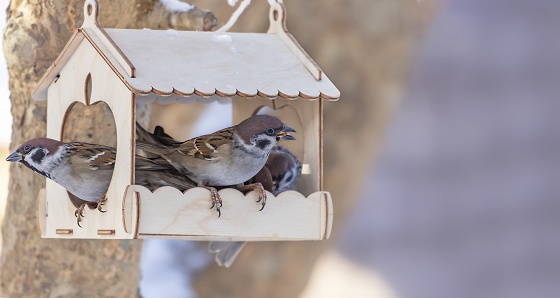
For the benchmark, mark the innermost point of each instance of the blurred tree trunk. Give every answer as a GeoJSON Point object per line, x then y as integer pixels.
{"type": "Point", "coordinates": [35, 34]}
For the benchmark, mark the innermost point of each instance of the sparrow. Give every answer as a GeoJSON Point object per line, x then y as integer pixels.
{"type": "Point", "coordinates": [280, 173]}
{"type": "Point", "coordinates": [227, 157]}
{"type": "Point", "coordinates": [85, 169]}
{"type": "Point", "coordinates": [284, 169]}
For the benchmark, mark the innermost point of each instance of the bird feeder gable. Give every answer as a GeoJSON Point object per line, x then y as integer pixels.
{"type": "Point", "coordinates": [123, 66]}
{"type": "Point", "coordinates": [183, 63]}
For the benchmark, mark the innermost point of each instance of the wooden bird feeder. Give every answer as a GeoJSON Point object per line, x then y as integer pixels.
{"type": "Point", "coordinates": [122, 67]}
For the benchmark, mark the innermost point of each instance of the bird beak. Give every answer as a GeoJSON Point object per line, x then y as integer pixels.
{"type": "Point", "coordinates": [15, 156]}
{"type": "Point", "coordinates": [284, 133]}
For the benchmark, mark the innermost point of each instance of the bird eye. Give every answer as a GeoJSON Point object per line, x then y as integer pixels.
{"type": "Point", "coordinates": [26, 148]}
{"type": "Point", "coordinates": [270, 132]}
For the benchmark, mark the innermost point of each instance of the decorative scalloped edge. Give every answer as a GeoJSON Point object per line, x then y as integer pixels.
{"type": "Point", "coordinates": [168, 212]}
{"type": "Point", "coordinates": [224, 191]}
{"type": "Point", "coordinates": [174, 97]}
{"type": "Point", "coordinates": [314, 222]}
{"type": "Point", "coordinates": [257, 92]}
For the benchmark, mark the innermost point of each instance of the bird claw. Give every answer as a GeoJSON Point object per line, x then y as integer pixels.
{"type": "Point", "coordinates": [216, 199]}
{"type": "Point", "coordinates": [259, 188]}
{"type": "Point", "coordinates": [101, 202]}
{"type": "Point", "coordinates": [79, 214]}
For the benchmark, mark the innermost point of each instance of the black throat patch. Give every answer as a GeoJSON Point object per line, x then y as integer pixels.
{"type": "Point", "coordinates": [263, 143]}
{"type": "Point", "coordinates": [38, 156]}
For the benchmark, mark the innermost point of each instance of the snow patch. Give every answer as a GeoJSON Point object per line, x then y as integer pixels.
{"type": "Point", "coordinates": [215, 116]}
{"type": "Point", "coordinates": [221, 38]}
{"type": "Point", "coordinates": [176, 5]}
{"type": "Point", "coordinates": [232, 2]}
{"type": "Point", "coordinates": [168, 266]}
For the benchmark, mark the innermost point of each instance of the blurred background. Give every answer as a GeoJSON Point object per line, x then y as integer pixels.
{"type": "Point", "coordinates": [463, 198]}
{"type": "Point", "coordinates": [5, 118]}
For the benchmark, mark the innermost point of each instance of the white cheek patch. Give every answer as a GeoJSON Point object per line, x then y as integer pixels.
{"type": "Point", "coordinates": [30, 161]}
{"type": "Point", "coordinates": [51, 162]}
{"type": "Point", "coordinates": [37, 160]}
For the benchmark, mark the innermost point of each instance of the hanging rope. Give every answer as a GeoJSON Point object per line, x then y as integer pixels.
{"type": "Point", "coordinates": [239, 11]}
{"type": "Point", "coordinates": [234, 16]}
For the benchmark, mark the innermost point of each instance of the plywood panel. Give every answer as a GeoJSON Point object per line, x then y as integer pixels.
{"type": "Point", "coordinates": [63, 93]}
{"type": "Point", "coordinates": [169, 213]}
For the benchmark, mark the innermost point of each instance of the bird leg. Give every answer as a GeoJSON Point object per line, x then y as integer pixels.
{"type": "Point", "coordinates": [258, 187]}
{"type": "Point", "coordinates": [101, 202]}
{"type": "Point", "coordinates": [79, 214]}
{"type": "Point", "coordinates": [216, 199]}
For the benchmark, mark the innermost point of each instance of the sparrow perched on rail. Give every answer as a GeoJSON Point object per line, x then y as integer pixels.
{"type": "Point", "coordinates": [226, 157]}
{"type": "Point", "coordinates": [280, 173]}
{"type": "Point", "coordinates": [85, 170]}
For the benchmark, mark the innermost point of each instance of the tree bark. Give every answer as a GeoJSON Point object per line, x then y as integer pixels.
{"type": "Point", "coordinates": [35, 34]}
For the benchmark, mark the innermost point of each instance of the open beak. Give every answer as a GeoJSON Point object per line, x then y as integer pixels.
{"type": "Point", "coordinates": [284, 133]}
{"type": "Point", "coordinates": [15, 156]}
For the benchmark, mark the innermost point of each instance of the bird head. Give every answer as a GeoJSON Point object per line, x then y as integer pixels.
{"type": "Point", "coordinates": [263, 131]}
{"type": "Point", "coordinates": [34, 153]}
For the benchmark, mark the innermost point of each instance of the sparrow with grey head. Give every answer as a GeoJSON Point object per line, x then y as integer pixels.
{"type": "Point", "coordinates": [85, 169]}
{"type": "Point", "coordinates": [227, 157]}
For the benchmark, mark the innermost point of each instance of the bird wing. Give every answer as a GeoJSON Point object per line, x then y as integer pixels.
{"type": "Point", "coordinates": [154, 180]}
{"type": "Point", "coordinates": [163, 137]}
{"type": "Point", "coordinates": [97, 156]}
{"type": "Point", "coordinates": [152, 164]}
{"type": "Point", "coordinates": [205, 146]}
{"type": "Point", "coordinates": [159, 136]}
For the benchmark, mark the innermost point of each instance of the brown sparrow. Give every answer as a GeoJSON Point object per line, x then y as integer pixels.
{"type": "Point", "coordinates": [85, 170]}
{"type": "Point", "coordinates": [280, 173]}
{"type": "Point", "coordinates": [284, 169]}
{"type": "Point", "coordinates": [226, 157]}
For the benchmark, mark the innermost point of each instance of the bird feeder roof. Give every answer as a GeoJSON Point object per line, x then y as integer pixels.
{"type": "Point", "coordinates": [182, 63]}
